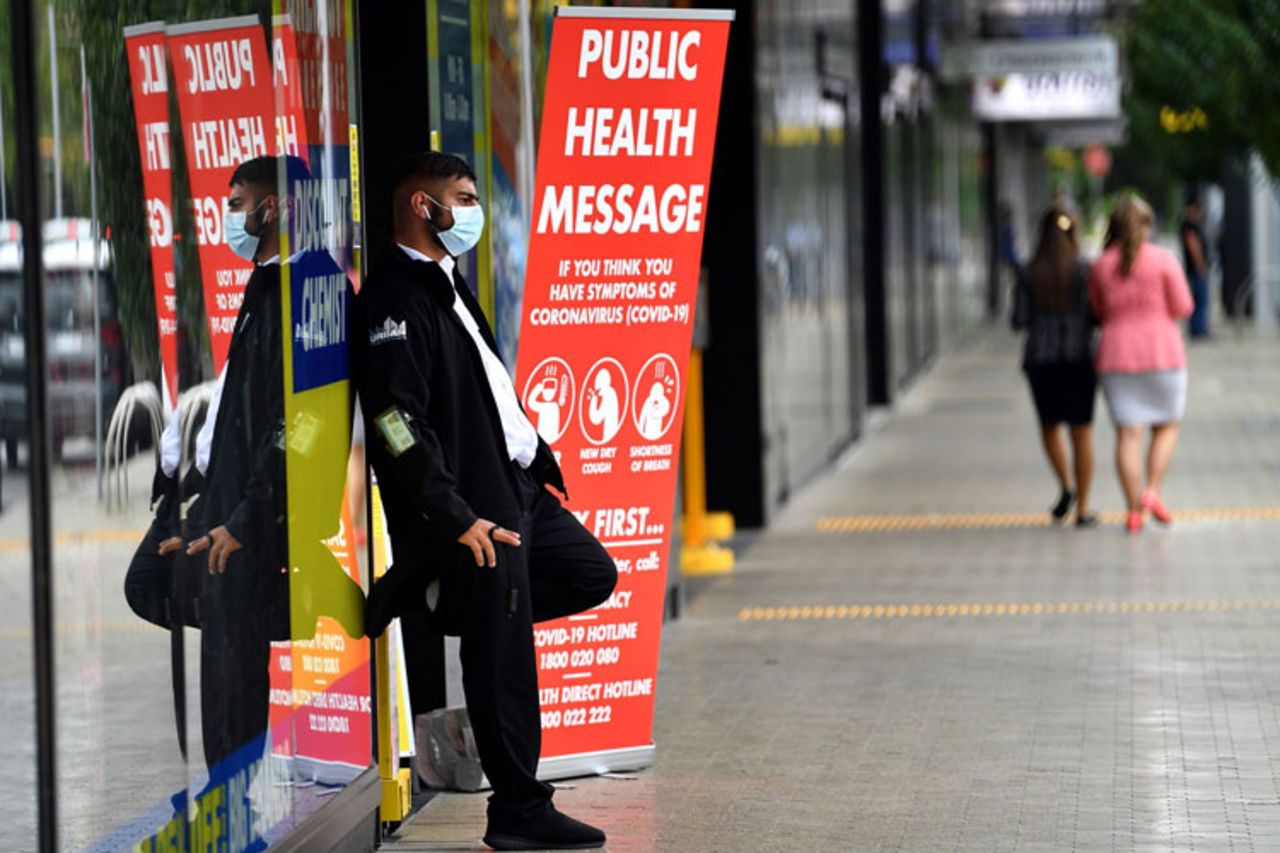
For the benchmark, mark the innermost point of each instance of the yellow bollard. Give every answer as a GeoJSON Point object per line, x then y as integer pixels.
{"type": "Point", "coordinates": [700, 555]}
{"type": "Point", "coordinates": [397, 782]}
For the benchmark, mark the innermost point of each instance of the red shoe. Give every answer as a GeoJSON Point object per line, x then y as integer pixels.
{"type": "Point", "coordinates": [1151, 502]}
{"type": "Point", "coordinates": [1134, 524]}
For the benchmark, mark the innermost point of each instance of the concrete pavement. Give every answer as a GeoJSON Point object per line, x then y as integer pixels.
{"type": "Point", "coordinates": [906, 661]}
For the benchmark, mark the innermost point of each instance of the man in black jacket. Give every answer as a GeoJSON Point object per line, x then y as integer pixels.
{"type": "Point", "coordinates": [236, 525]}
{"type": "Point", "coordinates": [478, 540]}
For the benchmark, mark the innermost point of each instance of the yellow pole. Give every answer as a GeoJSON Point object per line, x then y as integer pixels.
{"type": "Point", "coordinates": [699, 556]}
{"type": "Point", "coordinates": [397, 781]}
{"type": "Point", "coordinates": [695, 467]}
{"type": "Point", "coordinates": [388, 769]}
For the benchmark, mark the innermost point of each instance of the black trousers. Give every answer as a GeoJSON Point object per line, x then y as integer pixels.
{"type": "Point", "coordinates": [558, 570]}
{"type": "Point", "coordinates": [235, 689]}
{"type": "Point", "coordinates": [239, 615]}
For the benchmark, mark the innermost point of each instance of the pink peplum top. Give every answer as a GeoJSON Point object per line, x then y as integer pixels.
{"type": "Point", "coordinates": [1139, 312]}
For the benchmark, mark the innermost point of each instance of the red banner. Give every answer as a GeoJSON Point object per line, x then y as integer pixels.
{"type": "Point", "coordinates": [624, 160]}
{"type": "Point", "coordinates": [312, 36]}
{"type": "Point", "coordinates": [223, 85]}
{"type": "Point", "coordinates": [145, 47]}
{"type": "Point", "coordinates": [291, 124]}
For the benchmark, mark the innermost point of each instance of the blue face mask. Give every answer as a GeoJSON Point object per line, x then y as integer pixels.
{"type": "Point", "coordinates": [468, 225]}
{"type": "Point", "coordinates": [238, 239]}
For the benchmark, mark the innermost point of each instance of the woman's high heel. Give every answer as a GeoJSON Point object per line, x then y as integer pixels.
{"type": "Point", "coordinates": [1134, 524]}
{"type": "Point", "coordinates": [1152, 503]}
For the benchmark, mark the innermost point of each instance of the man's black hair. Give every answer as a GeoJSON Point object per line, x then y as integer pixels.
{"type": "Point", "coordinates": [264, 172]}
{"type": "Point", "coordinates": [431, 167]}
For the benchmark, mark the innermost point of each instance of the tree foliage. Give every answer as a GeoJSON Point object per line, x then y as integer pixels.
{"type": "Point", "coordinates": [1219, 56]}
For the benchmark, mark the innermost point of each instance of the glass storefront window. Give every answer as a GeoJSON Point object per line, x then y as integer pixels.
{"type": "Point", "coordinates": [17, 676]}
{"type": "Point", "coordinates": [196, 207]}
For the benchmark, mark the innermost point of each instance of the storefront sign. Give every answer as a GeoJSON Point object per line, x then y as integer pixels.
{"type": "Point", "coordinates": [995, 58]}
{"type": "Point", "coordinates": [321, 705]}
{"type": "Point", "coordinates": [223, 85]}
{"type": "Point", "coordinates": [236, 105]}
{"type": "Point", "coordinates": [148, 73]}
{"type": "Point", "coordinates": [620, 204]}
{"type": "Point", "coordinates": [326, 678]}
{"type": "Point", "coordinates": [1047, 96]}
{"type": "Point", "coordinates": [1078, 134]}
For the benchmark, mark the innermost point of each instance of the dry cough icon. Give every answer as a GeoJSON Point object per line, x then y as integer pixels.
{"type": "Point", "coordinates": [604, 401]}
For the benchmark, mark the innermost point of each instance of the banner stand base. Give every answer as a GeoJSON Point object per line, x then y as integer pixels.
{"type": "Point", "coordinates": [596, 763]}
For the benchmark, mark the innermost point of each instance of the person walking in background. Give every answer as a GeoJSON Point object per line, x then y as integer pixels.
{"type": "Point", "coordinates": [1195, 260]}
{"type": "Point", "coordinates": [1051, 303]}
{"type": "Point", "coordinates": [1138, 293]}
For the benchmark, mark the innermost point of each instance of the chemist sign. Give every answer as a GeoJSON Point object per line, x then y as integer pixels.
{"type": "Point", "coordinates": [620, 205]}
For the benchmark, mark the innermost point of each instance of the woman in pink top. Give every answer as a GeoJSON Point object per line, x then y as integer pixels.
{"type": "Point", "coordinates": [1138, 293]}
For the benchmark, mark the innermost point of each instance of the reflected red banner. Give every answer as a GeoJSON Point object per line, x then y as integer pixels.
{"type": "Point", "coordinates": [149, 77]}
{"type": "Point", "coordinates": [291, 121]}
{"type": "Point", "coordinates": [223, 83]}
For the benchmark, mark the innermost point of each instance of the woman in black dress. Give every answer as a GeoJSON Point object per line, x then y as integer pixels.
{"type": "Point", "coordinates": [1051, 303]}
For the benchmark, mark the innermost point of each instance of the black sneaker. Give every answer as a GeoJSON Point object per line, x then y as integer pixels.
{"type": "Point", "coordinates": [1087, 519]}
{"type": "Point", "coordinates": [1063, 506]}
{"type": "Point", "coordinates": [549, 831]}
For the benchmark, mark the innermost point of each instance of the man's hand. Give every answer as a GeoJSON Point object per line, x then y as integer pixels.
{"type": "Point", "coordinates": [480, 538]}
{"type": "Point", "coordinates": [168, 546]}
{"type": "Point", "coordinates": [220, 544]}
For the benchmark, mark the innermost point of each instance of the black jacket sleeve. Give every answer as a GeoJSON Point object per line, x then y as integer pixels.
{"type": "Point", "coordinates": [394, 377]}
{"type": "Point", "coordinates": [260, 505]}
{"type": "Point", "coordinates": [263, 494]}
{"type": "Point", "coordinates": [164, 503]}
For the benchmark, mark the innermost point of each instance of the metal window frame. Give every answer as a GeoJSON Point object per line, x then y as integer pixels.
{"type": "Point", "coordinates": [27, 170]}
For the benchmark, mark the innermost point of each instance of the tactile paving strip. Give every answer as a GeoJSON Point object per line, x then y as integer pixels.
{"type": "Point", "coordinates": [1039, 608]}
{"type": "Point", "coordinates": [1006, 520]}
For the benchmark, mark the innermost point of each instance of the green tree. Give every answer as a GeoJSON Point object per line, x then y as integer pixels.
{"type": "Point", "coordinates": [1221, 57]}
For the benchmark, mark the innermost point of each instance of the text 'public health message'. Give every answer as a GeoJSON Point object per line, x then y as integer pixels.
{"type": "Point", "coordinates": [620, 206]}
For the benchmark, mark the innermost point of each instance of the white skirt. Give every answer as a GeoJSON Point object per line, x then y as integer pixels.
{"type": "Point", "coordinates": [1144, 399]}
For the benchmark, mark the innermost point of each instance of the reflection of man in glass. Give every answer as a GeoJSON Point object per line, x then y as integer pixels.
{"type": "Point", "coordinates": [237, 524]}
{"type": "Point", "coordinates": [236, 491]}
{"type": "Point", "coordinates": [480, 544]}
{"type": "Point", "coordinates": [603, 409]}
